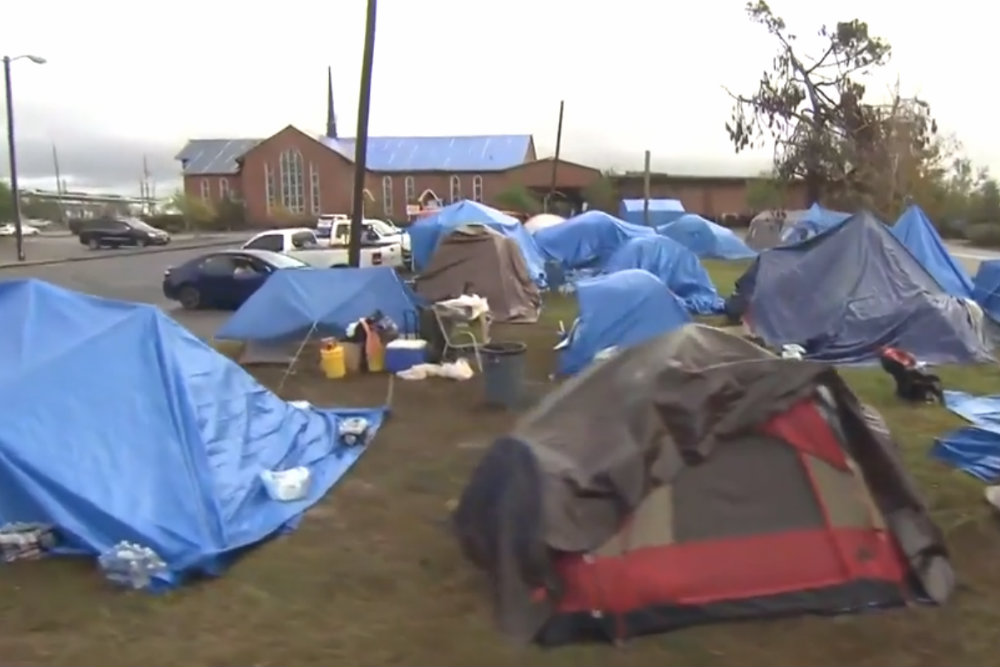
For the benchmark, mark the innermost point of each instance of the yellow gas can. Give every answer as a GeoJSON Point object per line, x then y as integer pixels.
{"type": "Point", "coordinates": [331, 360]}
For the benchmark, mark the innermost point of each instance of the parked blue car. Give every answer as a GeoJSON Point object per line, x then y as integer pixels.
{"type": "Point", "coordinates": [224, 279]}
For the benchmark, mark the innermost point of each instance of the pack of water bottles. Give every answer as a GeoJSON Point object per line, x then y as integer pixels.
{"type": "Point", "coordinates": [131, 565]}
{"type": "Point", "coordinates": [25, 541]}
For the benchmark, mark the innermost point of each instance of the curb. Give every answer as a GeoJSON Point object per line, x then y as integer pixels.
{"type": "Point", "coordinates": [216, 242]}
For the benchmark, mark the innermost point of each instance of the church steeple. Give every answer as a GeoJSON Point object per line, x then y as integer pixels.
{"type": "Point", "coordinates": [331, 117]}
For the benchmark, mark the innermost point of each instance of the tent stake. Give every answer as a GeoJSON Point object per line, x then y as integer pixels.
{"type": "Point", "coordinates": [298, 353]}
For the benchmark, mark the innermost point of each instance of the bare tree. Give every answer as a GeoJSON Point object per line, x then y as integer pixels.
{"type": "Point", "coordinates": [809, 106]}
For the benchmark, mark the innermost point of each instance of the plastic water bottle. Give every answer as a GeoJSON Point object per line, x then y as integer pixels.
{"type": "Point", "coordinates": [131, 565]}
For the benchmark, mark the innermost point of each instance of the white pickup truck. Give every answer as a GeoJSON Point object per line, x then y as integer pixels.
{"type": "Point", "coordinates": [302, 244]}
{"type": "Point", "coordinates": [373, 229]}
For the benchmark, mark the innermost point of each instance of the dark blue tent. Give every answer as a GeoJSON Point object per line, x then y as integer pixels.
{"type": "Point", "coordinates": [292, 304]}
{"type": "Point", "coordinates": [427, 232]}
{"type": "Point", "coordinates": [814, 220]}
{"type": "Point", "coordinates": [675, 265]}
{"type": "Point", "coordinates": [619, 310]}
{"type": "Point", "coordinates": [129, 428]}
{"type": "Point", "coordinates": [706, 239]}
{"type": "Point", "coordinates": [661, 211]}
{"type": "Point", "coordinates": [916, 232]}
{"type": "Point", "coordinates": [986, 288]}
{"type": "Point", "coordinates": [853, 289]}
{"type": "Point", "coordinates": [587, 240]}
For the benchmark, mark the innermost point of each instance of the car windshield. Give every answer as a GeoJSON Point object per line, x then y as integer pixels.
{"type": "Point", "coordinates": [139, 224]}
{"type": "Point", "coordinates": [382, 227]}
{"type": "Point", "coordinates": [279, 261]}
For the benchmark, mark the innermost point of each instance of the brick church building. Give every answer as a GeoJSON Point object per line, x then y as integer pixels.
{"type": "Point", "coordinates": [293, 175]}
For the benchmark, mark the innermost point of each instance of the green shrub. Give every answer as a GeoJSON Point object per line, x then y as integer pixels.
{"type": "Point", "coordinates": [986, 234]}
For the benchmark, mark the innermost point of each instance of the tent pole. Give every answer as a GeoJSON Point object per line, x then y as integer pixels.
{"type": "Point", "coordinates": [298, 353]}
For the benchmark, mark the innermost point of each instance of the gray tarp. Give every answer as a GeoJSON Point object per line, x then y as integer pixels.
{"type": "Point", "coordinates": [848, 292]}
{"type": "Point", "coordinates": [580, 463]}
{"type": "Point", "coordinates": [477, 260]}
{"type": "Point", "coordinates": [767, 227]}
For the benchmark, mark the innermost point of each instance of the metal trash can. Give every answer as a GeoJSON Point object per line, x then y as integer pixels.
{"type": "Point", "coordinates": [503, 372]}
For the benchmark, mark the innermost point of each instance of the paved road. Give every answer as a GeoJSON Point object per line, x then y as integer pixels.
{"type": "Point", "coordinates": [970, 257]}
{"type": "Point", "coordinates": [65, 246]}
{"type": "Point", "coordinates": [135, 277]}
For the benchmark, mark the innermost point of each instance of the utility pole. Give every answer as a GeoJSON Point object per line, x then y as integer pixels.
{"type": "Point", "coordinates": [645, 191]}
{"type": "Point", "coordinates": [361, 138]}
{"type": "Point", "coordinates": [59, 189]}
{"type": "Point", "coordinates": [144, 194]}
{"type": "Point", "coordinates": [12, 151]}
{"type": "Point", "coordinates": [555, 161]}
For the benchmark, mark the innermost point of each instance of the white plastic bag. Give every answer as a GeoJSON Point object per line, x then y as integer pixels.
{"type": "Point", "coordinates": [286, 485]}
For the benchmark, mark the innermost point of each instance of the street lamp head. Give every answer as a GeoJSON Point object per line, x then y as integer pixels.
{"type": "Point", "coordinates": [38, 60]}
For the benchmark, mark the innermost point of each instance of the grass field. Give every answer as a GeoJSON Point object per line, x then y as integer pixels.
{"type": "Point", "coordinates": [372, 576]}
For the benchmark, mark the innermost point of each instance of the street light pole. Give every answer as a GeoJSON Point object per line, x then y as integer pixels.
{"type": "Point", "coordinates": [361, 139]}
{"type": "Point", "coordinates": [12, 152]}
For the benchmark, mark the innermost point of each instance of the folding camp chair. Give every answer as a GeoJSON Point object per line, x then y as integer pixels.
{"type": "Point", "coordinates": [461, 333]}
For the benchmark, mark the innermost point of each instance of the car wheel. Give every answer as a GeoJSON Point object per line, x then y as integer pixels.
{"type": "Point", "coordinates": [93, 244]}
{"type": "Point", "coordinates": [190, 297]}
{"type": "Point", "coordinates": [141, 243]}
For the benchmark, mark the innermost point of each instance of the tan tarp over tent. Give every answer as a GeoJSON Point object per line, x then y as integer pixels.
{"type": "Point", "coordinates": [478, 260]}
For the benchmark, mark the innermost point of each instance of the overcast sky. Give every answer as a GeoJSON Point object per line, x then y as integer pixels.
{"type": "Point", "coordinates": [123, 81]}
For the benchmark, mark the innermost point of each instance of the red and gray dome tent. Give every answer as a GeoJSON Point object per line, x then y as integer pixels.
{"type": "Point", "coordinates": [696, 478]}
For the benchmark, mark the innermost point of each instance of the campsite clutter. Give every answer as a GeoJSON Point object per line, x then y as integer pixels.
{"type": "Point", "coordinates": [614, 504]}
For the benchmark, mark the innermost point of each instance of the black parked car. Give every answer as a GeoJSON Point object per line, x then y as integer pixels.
{"type": "Point", "coordinates": [116, 232]}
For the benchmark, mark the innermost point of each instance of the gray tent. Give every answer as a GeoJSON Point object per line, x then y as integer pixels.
{"type": "Point", "coordinates": [478, 260]}
{"type": "Point", "coordinates": [767, 227]}
{"type": "Point", "coordinates": [696, 477]}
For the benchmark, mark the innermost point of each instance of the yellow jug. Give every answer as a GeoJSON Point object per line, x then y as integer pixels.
{"type": "Point", "coordinates": [331, 360]}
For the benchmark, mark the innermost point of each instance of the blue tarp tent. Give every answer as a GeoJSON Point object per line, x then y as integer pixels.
{"type": "Point", "coordinates": [706, 239]}
{"type": "Point", "coordinates": [974, 449]}
{"type": "Point", "coordinates": [426, 233]}
{"type": "Point", "coordinates": [916, 232]}
{"type": "Point", "coordinates": [675, 265]}
{"type": "Point", "coordinates": [661, 211]}
{"type": "Point", "coordinates": [853, 289]}
{"type": "Point", "coordinates": [291, 304]}
{"type": "Point", "coordinates": [587, 240]}
{"type": "Point", "coordinates": [815, 220]}
{"type": "Point", "coordinates": [619, 310]}
{"type": "Point", "coordinates": [986, 288]}
{"type": "Point", "coordinates": [123, 426]}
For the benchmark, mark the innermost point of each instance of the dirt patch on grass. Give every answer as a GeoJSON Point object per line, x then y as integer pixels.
{"type": "Point", "coordinates": [373, 576]}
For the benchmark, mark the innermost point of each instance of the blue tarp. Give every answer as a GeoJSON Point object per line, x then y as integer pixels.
{"type": "Point", "coordinates": [916, 232]}
{"type": "Point", "coordinates": [675, 265]}
{"type": "Point", "coordinates": [986, 288]}
{"type": "Point", "coordinates": [122, 425]}
{"type": "Point", "coordinates": [853, 289]}
{"type": "Point", "coordinates": [587, 240]}
{"type": "Point", "coordinates": [974, 449]}
{"type": "Point", "coordinates": [325, 301]}
{"type": "Point", "coordinates": [815, 220]}
{"type": "Point", "coordinates": [619, 309]}
{"type": "Point", "coordinates": [706, 239]}
{"type": "Point", "coordinates": [661, 211]}
{"type": "Point", "coordinates": [426, 233]}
